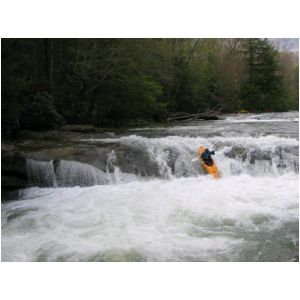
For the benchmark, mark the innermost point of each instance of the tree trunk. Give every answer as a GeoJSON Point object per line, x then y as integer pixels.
{"type": "Point", "coordinates": [49, 60]}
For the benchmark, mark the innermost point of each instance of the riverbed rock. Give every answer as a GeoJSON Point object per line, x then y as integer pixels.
{"type": "Point", "coordinates": [258, 154]}
{"type": "Point", "coordinates": [13, 182]}
{"type": "Point", "coordinates": [96, 156]}
{"type": "Point", "coordinates": [13, 164]}
{"type": "Point", "coordinates": [13, 169]}
{"type": "Point", "coordinates": [237, 152]}
{"type": "Point", "coordinates": [136, 160]}
{"type": "Point", "coordinates": [14, 158]}
{"type": "Point", "coordinates": [79, 128]}
{"type": "Point", "coordinates": [243, 153]}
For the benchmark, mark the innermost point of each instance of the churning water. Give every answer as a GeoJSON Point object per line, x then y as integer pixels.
{"type": "Point", "coordinates": [152, 203]}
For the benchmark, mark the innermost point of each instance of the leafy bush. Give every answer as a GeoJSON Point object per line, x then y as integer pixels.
{"type": "Point", "coordinates": [39, 113]}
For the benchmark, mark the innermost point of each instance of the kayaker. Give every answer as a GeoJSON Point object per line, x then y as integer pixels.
{"type": "Point", "coordinates": [206, 156]}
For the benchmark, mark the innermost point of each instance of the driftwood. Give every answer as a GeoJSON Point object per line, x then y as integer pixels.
{"type": "Point", "coordinates": [202, 116]}
{"type": "Point", "coordinates": [210, 114]}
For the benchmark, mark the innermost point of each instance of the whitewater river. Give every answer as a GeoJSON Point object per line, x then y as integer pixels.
{"type": "Point", "coordinates": [152, 203]}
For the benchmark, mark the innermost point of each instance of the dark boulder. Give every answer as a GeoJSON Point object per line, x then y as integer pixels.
{"type": "Point", "coordinates": [13, 170]}
{"type": "Point", "coordinates": [136, 160]}
{"type": "Point", "coordinates": [237, 152]}
{"type": "Point", "coordinates": [242, 153]}
{"type": "Point", "coordinates": [13, 182]}
{"type": "Point", "coordinates": [13, 164]}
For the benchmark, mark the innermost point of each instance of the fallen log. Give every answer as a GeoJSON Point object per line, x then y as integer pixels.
{"type": "Point", "coordinates": [202, 116]}
{"type": "Point", "coordinates": [178, 114]}
{"type": "Point", "coordinates": [182, 117]}
{"type": "Point", "coordinates": [212, 117]}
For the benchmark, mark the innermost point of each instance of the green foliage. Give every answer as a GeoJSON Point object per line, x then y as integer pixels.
{"type": "Point", "coordinates": [135, 97]}
{"type": "Point", "coordinates": [142, 94]}
{"type": "Point", "coordinates": [263, 89]}
{"type": "Point", "coordinates": [290, 72]}
{"type": "Point", "coordinates": [115, 81]}
{"type": "Point", "coordinates": [39, 113]}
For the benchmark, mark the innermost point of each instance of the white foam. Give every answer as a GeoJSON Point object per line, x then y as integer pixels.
{"type": "Point", "coordinates": [183, 219]}
{"type": "Point", "coordinates": [257, 120]}
{"type": "Point", "coordinates": [238, 217]}
{"type": "Point", "coordinates": [194, 142]}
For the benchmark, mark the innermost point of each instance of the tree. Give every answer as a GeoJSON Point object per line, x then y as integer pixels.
{"type": "Point", "coordinates": [115, 81]}
{"type": "Point", "coordinates": [289, 62]}
{"type": "Point", "coordinates": [262, 89]}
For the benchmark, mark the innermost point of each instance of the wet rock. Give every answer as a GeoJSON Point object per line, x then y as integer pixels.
{"type": "Point", "coordinates": [258, 154]}
{"type": "Point", "coordinates": [108, 134]}
{"type": "Point", "coordinates": [79, 128]}
{"type": "Point", "coordinates": [13, 167]}
{"type": "Point", "coordinates": [8, 194]}
{"type": "Point", "coordinates": [135, 160]}
{"type": "Point", "coordinates": [15, 161]}
{"type": "Point", "coordinates": [13, 182]}
{"type": "Point", "coordinates": [56, 165]}
{"type": "Point", "coordinates": [237, 152]}
{"type": "Point", "coordinates": [13, 164]}
{"type": "Point", "coordinates": [294, 150]}
{"type": "Point", "coordinates": [92, 155]}
{"type": "Point", "coordinates": [39, 135]}
{"type": "Point", "coordinates": [7, 147]}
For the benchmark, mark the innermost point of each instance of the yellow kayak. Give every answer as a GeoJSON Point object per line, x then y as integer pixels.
{"type": "Point", "coordinates": [212, 170]}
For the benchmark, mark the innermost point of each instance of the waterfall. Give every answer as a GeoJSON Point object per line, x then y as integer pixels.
{"type": "Point", "coordinates": [73, 173]}
{"type": "Point", "coordinates": [63, 173]}
{"type": "Point", "coordinates": [113, 172]}
{"type": "Point", "coordinates": [166, 159]}
{"type": "Point", "coordinates": [41, 173]}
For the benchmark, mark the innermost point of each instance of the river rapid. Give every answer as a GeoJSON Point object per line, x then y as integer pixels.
{"type": "Point", "coordinates": [152, 202]}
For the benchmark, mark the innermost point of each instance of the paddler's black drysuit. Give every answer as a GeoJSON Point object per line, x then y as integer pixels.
{"type": "Point", "coordinates": [206, 156]}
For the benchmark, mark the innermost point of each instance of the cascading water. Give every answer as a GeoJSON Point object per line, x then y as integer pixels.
{"type": "Point", "coordinates": [112, 171]}
{"type": "Point", "coordinates": [152, 202]}
{"type": "Point", "coordinates": [173, 156]}
{"type": "Point", "coordinates": [41, 173]}
{"type": "Point", "coordinates": [63, 173]}
{"type": "Point", "coordinates": [72, 173]}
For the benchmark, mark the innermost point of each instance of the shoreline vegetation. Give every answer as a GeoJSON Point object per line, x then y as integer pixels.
{"type": "Point", "coordinates": [119, 83]}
